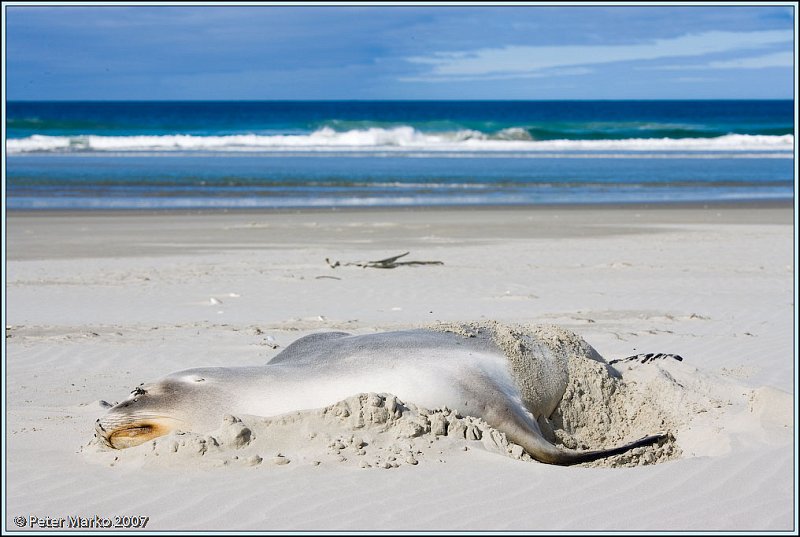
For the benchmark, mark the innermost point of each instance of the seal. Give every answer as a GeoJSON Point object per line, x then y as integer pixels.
{"type": "Point", "coordinates": [510, 376]}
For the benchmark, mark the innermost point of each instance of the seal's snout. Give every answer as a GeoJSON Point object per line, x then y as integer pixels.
{"type": "Point", "coordinates": [132, 422]}
{"type": "Point", "coordinates": [131, 433]}
{"type": "Point", "coordinates": [146, 414]}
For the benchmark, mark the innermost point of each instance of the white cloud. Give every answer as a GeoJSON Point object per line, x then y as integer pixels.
{"type": "Point", "coordinates": [694, 79]}
{"type": "Point", "coordinates": [516, 61]}
{"type": "Point", "coordinates": [549, 73]}
{"type": "Point", "coordinates": [777, 59]}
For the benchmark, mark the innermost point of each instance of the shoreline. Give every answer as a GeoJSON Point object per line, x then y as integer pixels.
{"type": "Point", "coordinates": [126, 234]}
{"type": "Point", "coordinates": [662, 205]}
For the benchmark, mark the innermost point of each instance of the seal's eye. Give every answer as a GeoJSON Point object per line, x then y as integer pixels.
{"type": "Point", "coordinates": [138, 390]}
{"type": "Point", "coordinates": [192, 378]}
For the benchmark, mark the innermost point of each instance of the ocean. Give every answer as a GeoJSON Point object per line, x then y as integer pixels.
{"type": "Point", "coordinates": [328, 154]}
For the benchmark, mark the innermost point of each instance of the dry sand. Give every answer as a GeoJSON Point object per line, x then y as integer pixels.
{"type": "Point", "coordinates": [97, 303]}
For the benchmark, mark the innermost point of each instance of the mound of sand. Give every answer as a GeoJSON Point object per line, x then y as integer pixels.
{"type": "Point", "coordinates": [367, 430]}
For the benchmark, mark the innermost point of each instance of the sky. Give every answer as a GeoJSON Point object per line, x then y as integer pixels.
{"type": "Point", "coordinates": [255, 52]}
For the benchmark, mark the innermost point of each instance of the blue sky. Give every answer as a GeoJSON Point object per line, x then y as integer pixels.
{"type": "Point", "coordinates": [399, 52]}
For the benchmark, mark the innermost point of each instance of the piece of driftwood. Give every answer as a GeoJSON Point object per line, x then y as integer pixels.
{"type": "Point", "coordinates": [649, 357]}
{"type": "Point", "coordinates": [388, 263]}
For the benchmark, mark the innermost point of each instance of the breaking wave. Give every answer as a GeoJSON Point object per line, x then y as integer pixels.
{"type": "Point", "coordinates": [396, 141]}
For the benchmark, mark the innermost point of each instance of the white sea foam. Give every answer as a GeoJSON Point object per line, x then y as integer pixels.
{"type": "Point", "coordinates": [394, 141]}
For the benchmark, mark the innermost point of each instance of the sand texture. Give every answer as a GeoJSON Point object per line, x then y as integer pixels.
{"type": "Point", "coordinates": [99, 303]}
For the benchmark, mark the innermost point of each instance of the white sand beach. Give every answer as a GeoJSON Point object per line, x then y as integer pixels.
{"type": "Point", "coordinates": [98, 302]}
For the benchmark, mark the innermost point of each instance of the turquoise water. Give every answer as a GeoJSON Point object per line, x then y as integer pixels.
{"type": "Point", "coordinates": [336, 154]}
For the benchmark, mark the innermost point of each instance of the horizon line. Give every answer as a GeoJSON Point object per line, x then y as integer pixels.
{"type": "Point", "coordinates": [790, 99]}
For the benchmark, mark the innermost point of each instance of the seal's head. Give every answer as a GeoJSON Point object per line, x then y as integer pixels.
{"type": "Point", "coordinates": [183, 401]}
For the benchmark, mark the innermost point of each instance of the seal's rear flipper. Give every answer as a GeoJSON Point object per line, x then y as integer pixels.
{"type": "Point", "coordinates": [522, 430]}
{"type": "Point", "coordinates": [568, 457]}
{"type": "Point", "coordinates": [589, 456]}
